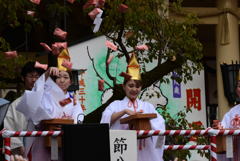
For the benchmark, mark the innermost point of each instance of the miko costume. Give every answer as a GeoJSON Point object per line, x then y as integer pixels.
{"type": "Point", "coordinates": [231, 120]}
{"type": "Point", "coordinates": [46, 101]}
{"type": "Point", "coordinates": [147, 149]}
{"type": "Point", "coordinates": [150, 148]}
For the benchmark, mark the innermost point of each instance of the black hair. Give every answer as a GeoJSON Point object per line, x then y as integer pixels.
{"type": "Point", "coordinates": [138, 82]}
{"type": "Point", "coordinates": [29, 67]}
{"type": "Point", "coordinates": [11, 96]}
{"type": "Point", "coordinates": [69, 73]}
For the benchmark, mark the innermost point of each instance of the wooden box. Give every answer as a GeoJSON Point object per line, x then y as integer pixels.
{"type": "Point", "coordinates": [221, 144]}
{"type": "Point", "coordinates": [139, 121]}
{"type": "Point", "coordinates": [54, 125]}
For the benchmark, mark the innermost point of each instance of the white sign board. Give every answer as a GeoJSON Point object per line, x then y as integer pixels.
{"type": "Point", "coordinates": [123, 145]}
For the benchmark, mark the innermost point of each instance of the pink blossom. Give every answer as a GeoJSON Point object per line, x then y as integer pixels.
{"type": "Point", "coordinates": [111, 45]}
{"type": "Point", "coordinates": [94, 13]}
{"type": "Point", "coordinates": [67, 64]}
{"type": "Point", "coordinates": [45, 46]}
{"type": "Point", "coordinates": [110, 58]}
{"type": "Point", "coordinates": [10, 54]}
{"type": "Point", "coordinates": [60, 33]}
{"type": "Point", "coordinates": [42, 66]}
{"type": "Point", "coordinates": [141, 47]}
{"type": "Point", "coordinates": [36, 1]}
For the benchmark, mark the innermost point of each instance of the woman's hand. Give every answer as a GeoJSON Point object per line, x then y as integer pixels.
{"type": "Point", "coordinates": [117, 115]}
{"type": "Point", "coordinates": [176, 159]}
{"type": "Point", "coordinates": [18, 151]}
{"type": "Point", "coordinates": [217, 124]}
{"type": "Point", "coordinates": [17, 158]}
{"type": "Point", "coordinates": [130, 112]}
{"type": "Point", "coordinates": [52, 71]}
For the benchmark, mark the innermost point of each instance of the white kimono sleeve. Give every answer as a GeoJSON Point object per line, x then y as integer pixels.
{"type": "Point", "coordinates": [77, 115]}
{"type": "Point", "coordinates": [158, 124]}
{"type": "Point", "coordinates": [31, 100]}
{"type": "Point", "coordinates": [107, 113]}
{"type": "Point", "coordinates": [40, 103]}
{"type": "Point", "coordinates": [226, 121]}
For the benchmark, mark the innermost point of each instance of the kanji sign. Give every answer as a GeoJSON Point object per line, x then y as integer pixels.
{"type": "Point", "coordinates": [123, 145]}
{"type": "Point", "coordinates": [194, 98]}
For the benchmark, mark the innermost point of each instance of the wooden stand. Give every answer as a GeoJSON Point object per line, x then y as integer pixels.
{"type": "Point", "coordinates": [55, 125]}
{"type": "Point", "coordinates": [221, 144]}
{"type": "Point", "coordinates": [139, 121]}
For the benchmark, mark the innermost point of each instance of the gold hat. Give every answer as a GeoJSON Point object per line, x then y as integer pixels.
{"type": "Point", "coordinates": [133, 68]}
{"type": "Point", "coordinates": [64, 55]}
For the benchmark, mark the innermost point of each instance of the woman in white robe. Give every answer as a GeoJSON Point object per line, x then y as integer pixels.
{"type": "Point", "coordinates": [231, 120]}
{"type": "Point", "coordinates": [46, 101]}
{"type": "Point", "coordinates": [151, 148]}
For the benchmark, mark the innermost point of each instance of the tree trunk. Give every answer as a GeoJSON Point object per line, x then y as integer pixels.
{"type": "Point", "coordinates": [148, 79]}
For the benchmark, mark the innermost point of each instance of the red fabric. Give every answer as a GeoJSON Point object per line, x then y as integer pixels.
{"type": "Point", "coordinates": [236, 148]}
{"type": "Point", "coordinates": [134, 104]}
{"type": "Point", "coordinates": [29, 155]}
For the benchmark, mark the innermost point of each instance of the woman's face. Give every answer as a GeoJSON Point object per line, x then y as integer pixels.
{"type": "Point", "coordinates": [63, 80]}
{"type": "Point", "coordinates": [132, 89]}
{"type": "Point", "coordinates": [238, 89]}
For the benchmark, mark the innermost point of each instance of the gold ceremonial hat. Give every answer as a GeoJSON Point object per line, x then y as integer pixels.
{"type": "Point", "coordinates": [133, 68]}
{"type": "Point", "coordinates": [64, 55]}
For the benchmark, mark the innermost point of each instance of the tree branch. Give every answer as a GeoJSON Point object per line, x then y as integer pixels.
{"type": "Point", "coordinates": [107, 69]}
{"type": "Point", "coordinates": [163, 51]}
{"type": "Point", "coordinates": [95, 116]}
{"type": "Point", "coordinates": [119, 39]}
{"type": "Point", "coordinates": [160, 71]}
{"type": "Point", "coordinates": [94, 68]}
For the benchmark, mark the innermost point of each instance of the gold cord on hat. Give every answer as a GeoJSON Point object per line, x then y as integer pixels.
{"type": "Point", "coordinates": [133, 68]}
{"type": "Point", "coordinates": [64, 55]}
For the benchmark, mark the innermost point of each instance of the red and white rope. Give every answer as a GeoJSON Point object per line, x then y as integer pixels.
{"type": "Point", "coordinates": [186, 147]}
{"type": "Point", "coordinates": [224, 132]}
{"type": "Point", "coordinates": [172, 132]}
{"type": "Point", "coordinates": [37, 133]}
{"type": "Point", "coordinates": [213, 149]}
{"type": "Point", "coordinates": [7, 133]}
{"type": "Point", "coordinates": [7, 149]}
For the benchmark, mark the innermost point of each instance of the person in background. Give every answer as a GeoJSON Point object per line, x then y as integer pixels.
{"type": "Point", "coordinates": [49, 99]}
{"type": "Point", "coordinates": [15, 120]}
{"type": "Point", "coordinates": [131, 105]}
{"type": "Point", "coordinates": [231, 120]}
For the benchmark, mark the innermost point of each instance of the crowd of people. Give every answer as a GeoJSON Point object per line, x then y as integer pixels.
{"type": "Point", "coordinates": [46, 97]}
